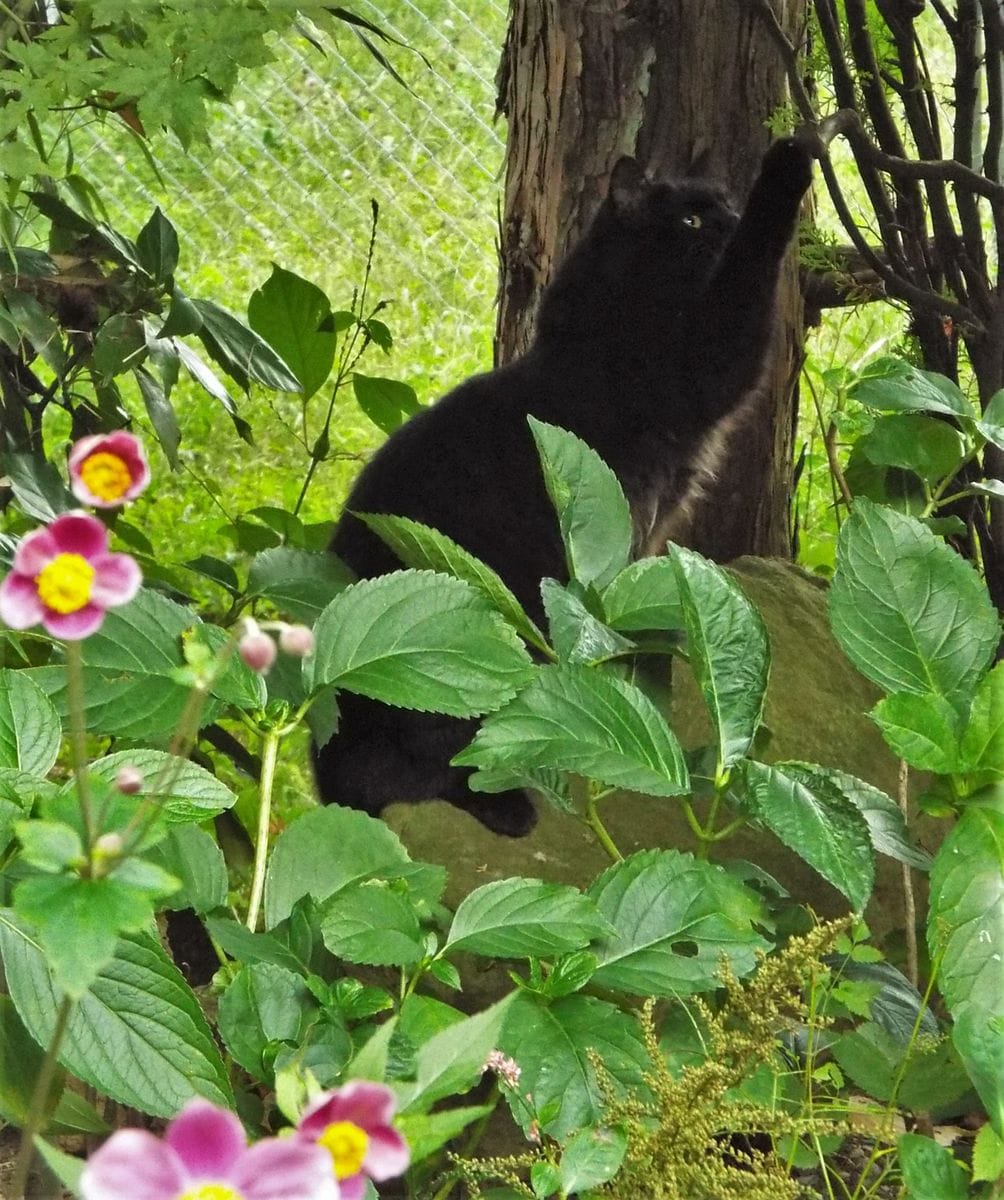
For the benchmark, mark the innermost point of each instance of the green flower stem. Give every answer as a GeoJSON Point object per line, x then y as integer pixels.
{"type": "Point", "coordinates": [78, 739]}
{"type": "Point", "coordinates": [269, 756]}
{"type": "Point", "coordinates": [36, 1110]}
{"type": "Point", "coordinates": [595, 823]}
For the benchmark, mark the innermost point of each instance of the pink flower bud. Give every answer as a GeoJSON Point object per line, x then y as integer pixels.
{"type": "Point", "coordinates": [109, 845]}
{"type": "Point", "coordinates": [129, 780]}
{"type": "Point", "coordinates": [257, 649]}
{"type": "Point", "coordinates": [297, 640]}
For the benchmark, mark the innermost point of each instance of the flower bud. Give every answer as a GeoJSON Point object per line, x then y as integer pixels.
{"type": "Point", "coordinates": [257, 649]}
{"type": "Point", "coordinates": [297, 640]}
{"type": "Point", "coordinates": [129, 780]}
{"type": "Point", "coordinates": [109, 845]}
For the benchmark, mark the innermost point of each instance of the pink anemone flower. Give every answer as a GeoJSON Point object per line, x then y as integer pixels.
{"type": "Point", "coordinates": [205, 1156]}
{"type": "Point", "coordinates": [65, 578]}
{"type": "Point", "coordinates": [107, 469]}
{"type": "Point", "coordinates": [353, 1124]}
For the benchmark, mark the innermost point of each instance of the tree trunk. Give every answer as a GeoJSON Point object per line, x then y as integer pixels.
{"type": "Point", "coordinates": [682, 86]}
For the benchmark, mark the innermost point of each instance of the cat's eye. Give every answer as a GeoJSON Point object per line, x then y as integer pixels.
{"type": "Point", "coordinates": [693, 220]}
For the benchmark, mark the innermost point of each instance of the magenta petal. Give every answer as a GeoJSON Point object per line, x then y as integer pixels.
{"type": "Point", "coordinates": [74, 626]}
{"type": "Point", "coordinates": [35, 551]}
{"type": "Point", "coordinates": [364, 1104]}
{"type": "Point", "coordinates": [79, 533]}
{"type": "Point", "coordinates": [116, 579]}
{"type": "Point", "coordinates": [20, 607]}
{"type": "Point", "coordinates": [207, 1139]}
{"type": "Point", "coordinates": [133, 1165]}
{"type": "Point", "coordinates": [285, 1169]}
{"type": "Point", "coordinates": [387, 1154]}
{"type": "Point", "coordinates": [352, 1188]}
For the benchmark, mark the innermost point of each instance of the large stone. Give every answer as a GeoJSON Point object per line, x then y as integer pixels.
{"type": "Point", "coordinates": [815, 711]}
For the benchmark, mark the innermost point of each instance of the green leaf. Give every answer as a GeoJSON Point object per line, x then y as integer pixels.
{"type": "Point", "coordinates": [120, 345]}
{"type": "Point", "coordinates": [578, 719]}
{"type": "Point", "coordinates": [323, 851]}
{"type": "Point", "coordinates": [425, 549]}
{"type": "Point", "coordinates": [545, 1179]}
{"type": "Point", "coordinates": [906, 609]}
{"type": "Point", "coordinates": [161, 413]}
{"type": "Point", "coordinates": [988, 1155]}
{"type": "Point", "coordinates": [893, 385]}
{"type": "Point", "coordinates": [420, 640]}
{"type": "Point", "coordinates": [37, 486]}
{"type": "Point", "coordinates": [183, 317]}
{"type": "Point", "coordinates": [883, 816]}
{"type": "Point", "coordinates": [137, 1035]}
{"type": "Point", "coordinates": [674, 917]}
{"type": "Point", "coordinates": [294, 317]}
{"type": "Point", "coordinates": [517, 918]}
{"type": "Point", "coordinates": [49, 845]}
{"type": "Point", "coordinates": [929, 1170]}
{"type": "Point", "coordinates": [240, 351]}
{"type": "Point", "coordinates": [299, 582]}
{"type": "Point", "coordinates": [77, 922]}
{"type": "Point", "coordinates": [387, 402]}
{"type": "Point", "coordinates": [644, 596]}
{"type": "Point", "coordinates": [30, 730]}
{"type": "Point", "coordinates": [982, 747]}
{"type": "Point", "coordinates": [264, 1005]}
{"type": "Point", "coordinates": [593, 514]}
{"type": "Point", "coordinates": [67, 1168]}
{"type": "Point", "coordinates": [577, 635]}
{"type": "Point", "coordinates": [370, 924]}
{"type": "Point", "coordinates": [426, 1133]}
{"type": "Point", "coordinates": [157, 248]}
{"type": "Point", "coordinates": [965, 931]}
{"type": "Point", "coordinates": [452, 1061]}
{"type": "Point", "coordinates": [931, 447]}
{"type": "Point", "coordinates": [592, 1158]}
{"type": "Point", "coordinates": [20, 1064]}
{"type": "Point", "coordinates": [552, 1043]}
{"type": "Point", "coordinates": [923, 730]}
{"type": "Point", "coordinates": [185, 791]}
{"type": "Point", "coordinates": [727, 650]}
{"type": "Point", "coordinates": [38, 329]}
{"type": "Point", "coordinates": [192, 856]}
{"type": "Point", "coordinates": [992, 424]}
{"type": "Point", "coordinates": [812, 816]}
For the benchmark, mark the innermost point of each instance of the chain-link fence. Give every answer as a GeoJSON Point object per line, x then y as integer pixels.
{"type": "Point", "coordinates": [294, 162]}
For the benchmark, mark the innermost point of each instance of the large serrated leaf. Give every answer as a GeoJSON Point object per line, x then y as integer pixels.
{"type": "Point", "coordinates": [552, 1044]}
{"type": "Point", "coordinates": [301, 583]}
{"type": "Point", "coordinates": [578, 719]}
{"type": "Point", "coordinates": [906, 609]}
{"type": "Point", "coordinates": [294, 317]}
{"type": "Point", "coordinates": [30, 729]}
{"type": "Point", "coordinates": [262, 1005]}
{"type": "Point", "coordinates": [186, 791]}
{"type": "Point", "coordinates": [370, 924]}
{"type": "Point", "coordinates": [674, 917]}
{"type": "Point", "coordinates": [929, 1170]}
{"type": "Point", "coordinates": [426, 549]}
{"type": "Point", "coordinates": [452, 1061]}
{"type": "Point", "coordinates": [644, 596]}
{"type": "Point", "coordinates": [138, 1033]}
{"type": "Point", "coordinates": [577, 636]}
{"type": "Point", "coordinates": [982, 746]}
{"type": "Point", "coordinates": [812, 816]}
{"type": "Point", "coordinates": [922, 730]}
{"type": "Point", "coordinates": [727, 649]}
{"type": "Point", "coordinates": [420, 640]}
{"type": "Point", "coordinates": [516, 918]}
{"type": "Point", "coordinates": [324, 850]}
{"type": "Point", "coordinates": [894, 385]}
{"type": "Point", "coordinates": [593, 514]}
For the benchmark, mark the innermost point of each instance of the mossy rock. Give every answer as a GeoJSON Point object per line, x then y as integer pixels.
{"type": "Point", "coordinates": [816, 711]}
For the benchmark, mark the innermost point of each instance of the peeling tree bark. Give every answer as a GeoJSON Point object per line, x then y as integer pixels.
{"type": "Point", "coordinates": [684, 85]}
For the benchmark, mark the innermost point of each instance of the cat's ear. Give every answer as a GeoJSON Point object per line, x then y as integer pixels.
{"type": "Point", "coordinates": [627, 184]}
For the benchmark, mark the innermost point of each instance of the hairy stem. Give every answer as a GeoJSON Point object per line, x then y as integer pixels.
{"type": "Point", "coordinates": [269, 757]}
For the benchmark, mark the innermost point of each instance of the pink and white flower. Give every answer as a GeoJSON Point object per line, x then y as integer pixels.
{"type": "Point", "coordinates": [107, 469]}
{"type": "Point", "coordinates": [353, 1124]}
{"type": "Point", "coordinates": [205, 1156]}
{"type": "Point", "coordinates": [64, 578]}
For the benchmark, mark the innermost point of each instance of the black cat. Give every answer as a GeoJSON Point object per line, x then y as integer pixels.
{"type": "Point", "coordinates": [651, 335]}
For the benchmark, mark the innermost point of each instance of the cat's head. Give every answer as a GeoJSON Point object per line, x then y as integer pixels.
{"type": "Point", "coordinates": [650, 249]}
{"type": "Point", "coordinates": [684, 225]}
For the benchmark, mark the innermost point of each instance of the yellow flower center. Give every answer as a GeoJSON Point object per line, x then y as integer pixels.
{"type": "Point", "coordinates": [346, 1143]}
{"type": "Point", "coordinates": [105, 475]}
{"type": "Point", "coordinates": [64, 585]}
{"type": "Point", "coordinates": [211, 1191]}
